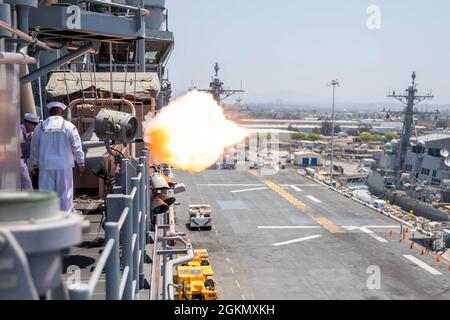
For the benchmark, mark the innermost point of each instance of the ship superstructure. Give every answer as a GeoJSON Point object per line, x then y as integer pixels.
{"type": "Point", "coordinates": [413, 172]}
{"type": "Point", "coordinates": [217, 89]}
{"type": "Point", "coordinates": [106, 61]}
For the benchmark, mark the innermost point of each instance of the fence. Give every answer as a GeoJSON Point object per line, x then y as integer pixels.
{"type": "Point", "coordinates": [127, 223]}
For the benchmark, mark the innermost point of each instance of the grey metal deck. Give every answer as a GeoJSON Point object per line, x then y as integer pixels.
{"type": "Point", "coordinates": [326, 265]}
{"type": "Point", "coordinates": [84, 256]}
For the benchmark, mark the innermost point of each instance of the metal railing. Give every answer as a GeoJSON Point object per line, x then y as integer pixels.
{"type": "Point", "coordinates": [164, 255]}
{"type": "Point", "coordinates": [137, 7]}
{"type": "Point", "coordinates": [127, 232]}
{"type": "Point", "coordinates": [25, 37]}
{"type": "Point", "coordinates": [127, 224]}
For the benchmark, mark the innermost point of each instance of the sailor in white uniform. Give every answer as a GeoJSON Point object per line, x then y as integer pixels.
{"type": "Point", "coordinates": [56, 144]}
{"type": "Point", "coordinates": [26, 132]}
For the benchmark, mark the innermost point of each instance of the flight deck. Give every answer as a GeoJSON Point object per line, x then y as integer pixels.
{"type": "Point", "coordinates": [284, 236]}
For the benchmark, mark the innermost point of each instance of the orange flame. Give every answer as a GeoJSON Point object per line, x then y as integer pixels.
{"type": "Point", "coordinates": [191, 132]}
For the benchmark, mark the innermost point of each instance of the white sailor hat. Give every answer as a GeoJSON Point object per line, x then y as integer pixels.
{"type": "Point", "coordinates": [30, 117]}
{"type": "Point", "coordinates": [56, 104]}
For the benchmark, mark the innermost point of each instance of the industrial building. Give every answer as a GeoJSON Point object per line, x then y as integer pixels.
{"type": "Point", "coordinates": [307, 158]}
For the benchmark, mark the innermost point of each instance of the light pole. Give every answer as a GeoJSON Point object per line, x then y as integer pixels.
{"type": "Point", "coordinates": [333, 83]}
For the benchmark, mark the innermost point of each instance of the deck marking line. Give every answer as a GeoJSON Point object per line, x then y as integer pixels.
{"type": "Point", "coordinates": [252, 189]}
{"type": "Point", "coordinates": [289, 227]}
{"type": "Point", "coordinates": [296, 240]}
{"type": "Point", "coordinates": [231, 184]}
{"type": "Point", "coordinates": [372, 234]}
{"type": "Point", "coordinates": [327, 224]}
{"type": "Point", "coordinates": [232, 271]}
{"type": "Point", "coordinates": [371, 227]}
{"type": "Point", "coordinates": [296, 188]}
{"type": "Point", "coordinates": [228, 260]}
{"type": "Point", "coordinates": [422, 264]}
{"type": "Point", "coordinates": [301, 185]}
{"type": "Point", "coordinates": [313, 198]}
{"type": "Point", "coordinates": [350, 228]}
{"type": "Point", "coordinates": [238, 285]}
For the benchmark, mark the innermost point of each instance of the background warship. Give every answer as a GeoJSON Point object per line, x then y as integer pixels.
{"type": "Point", "coordinates": [414, 172]}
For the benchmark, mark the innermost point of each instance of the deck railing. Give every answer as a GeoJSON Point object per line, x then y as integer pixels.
{"type": "Point", "coordinates": [127, 225]}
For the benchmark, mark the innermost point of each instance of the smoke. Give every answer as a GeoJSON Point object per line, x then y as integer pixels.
{"type": "Point", "coordinates": [191, 132]}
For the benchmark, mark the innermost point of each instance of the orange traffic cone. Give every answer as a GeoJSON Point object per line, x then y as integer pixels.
{"type": "Point", "coordinates": [422, 251]}
{"type": "Point", "coordinates": [406, 230]}
{"type": "Point", "coordinates": [438, 259]}
{"type": "Point", "coordinates": [449, 267]}
{"type": "Point", "coordinates": [411, 246]}
{"type": "Point", "coordinates": [390, 233]}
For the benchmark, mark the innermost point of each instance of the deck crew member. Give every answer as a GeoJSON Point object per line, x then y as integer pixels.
{"type": "Point", "coordinates": [56, 144]}
{"type": "Point", "coordinates": [26, 131]}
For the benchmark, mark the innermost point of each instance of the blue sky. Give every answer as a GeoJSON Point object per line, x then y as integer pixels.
{"type": "Point", "coordinates": [289, 50]}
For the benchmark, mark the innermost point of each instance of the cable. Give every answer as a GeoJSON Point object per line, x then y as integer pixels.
{"type": "Point", "coordinates": [173, 285]}
{"type": "Point", "coordinates": [123, 156]}
{"type": "Point", "coordinates": [125, 80]}
{"type": "Point", "coordinates": [184, 291]}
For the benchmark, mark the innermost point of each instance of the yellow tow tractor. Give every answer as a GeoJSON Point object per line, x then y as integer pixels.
{"type": "Point", "coordinates": [196, 278]}
{"type": "Point", "coordinates": [201, 258]}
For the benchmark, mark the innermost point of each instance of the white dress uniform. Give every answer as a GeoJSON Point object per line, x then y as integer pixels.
{"type": "Point", "coordinates": [56, 144]}
{"type": "Point", "coordinates": [25, 164]}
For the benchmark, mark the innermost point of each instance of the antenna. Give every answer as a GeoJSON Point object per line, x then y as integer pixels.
{"type": "Point", "coordinates": [410, 99]}
{"type": "Point", "coordinates": [216, 87]}
{"type": "Point", "coordinates": [216, 69]}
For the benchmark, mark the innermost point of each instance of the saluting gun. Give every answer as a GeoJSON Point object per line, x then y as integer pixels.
{"type": "Point", "coordinates": [115, 127]}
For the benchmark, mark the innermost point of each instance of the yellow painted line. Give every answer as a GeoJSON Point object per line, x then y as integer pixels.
{"type": "Point", "coordinates": [324, 222]}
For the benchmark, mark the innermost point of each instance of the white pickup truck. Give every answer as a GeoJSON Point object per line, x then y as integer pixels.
{"type": "Point", "coordinates": [200, 216]}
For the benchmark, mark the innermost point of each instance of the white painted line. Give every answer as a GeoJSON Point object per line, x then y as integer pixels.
{"type": "Point", "coordinates": [372, 234]}
{"type": "Point", "coordinates": [383, 227]}
{"type": "Point", "coordinates": [301, 185]}
{"type": "Point", "coordinates": [231, 184]}
{"type": "Point", "coordinates": [370, 227]}
{"type": "Point", "coordinates": [289, 227]}
{"type": "Point", "coordinates": [228, 260]}
{"type": "Point", "coordinates": [232, 271]}
{"type": "Point", "coordinates": [252, 189]}
{"type": "Point", "coordinates": [313, 199]}
{"type": "Point", "coordinates": [350, 228]}
{"type": "Point", "coordinates": [243, 297]}
{"type": "Point", "coordinates": [422, 264]}
{"type": "Point", "coordinates": [238, 285]}
{"type": "Point", "coordinates": [296, 188]}
{"type": "Point", "coordinates": [296, 240]}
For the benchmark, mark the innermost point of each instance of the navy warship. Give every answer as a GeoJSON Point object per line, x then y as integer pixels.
{"type": "Point", "coordinates": [129, 238]}
{"type": "Point", "coordinates": [413, 172]}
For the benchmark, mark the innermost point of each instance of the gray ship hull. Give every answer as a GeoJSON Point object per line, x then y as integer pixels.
{"type": "Point", "coordinates": [422, 209]}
